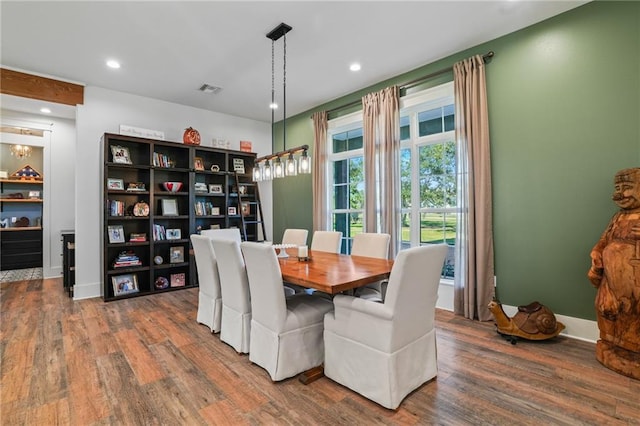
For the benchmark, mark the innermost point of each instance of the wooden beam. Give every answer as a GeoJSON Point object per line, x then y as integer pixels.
{"type": "Point", "coordinates": [34, 87]}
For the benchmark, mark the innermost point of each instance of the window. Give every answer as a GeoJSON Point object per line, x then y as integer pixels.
{"type": "Point", "coordinates": [427, 172]}
{"type": "Point", "coordinates": [346, 182]}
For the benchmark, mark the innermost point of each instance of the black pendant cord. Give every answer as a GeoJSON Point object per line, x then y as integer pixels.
{"type": "Point", "coordinates": [284, 95]}
{"type": "Point", "coordinates": [273, 94]}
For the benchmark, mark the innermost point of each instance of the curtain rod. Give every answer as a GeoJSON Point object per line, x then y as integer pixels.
{"type": "Point", "coordinates": [486, 58]}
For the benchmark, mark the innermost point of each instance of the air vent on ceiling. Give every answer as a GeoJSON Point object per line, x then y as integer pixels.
{"type": "Point", "coordinates": [207, 88]}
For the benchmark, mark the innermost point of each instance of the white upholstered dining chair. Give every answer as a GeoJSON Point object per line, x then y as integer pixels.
{"type": "Point", "coordinates": [209, 296]}
{"type": "Point", "coordinates": [384, 351]}
{"type": "Point", "coordinates": [286, 333]}
{"type": "Point", "coordinates": [296, 237]}
{"type": "Point", "coordinates": [232, 234]}
{"type": "Point", "coordinates": [370, 244]}
{"type": "Point", "coordinates": [235, 326]}
{"type": "Point", "coordinates": [328, 241]}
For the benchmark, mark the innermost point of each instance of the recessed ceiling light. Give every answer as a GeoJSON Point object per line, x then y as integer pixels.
{"type": "Point", "coordinates": [113, 64]}
{"type": "Point", "coordinates": [355, 66]}
{"type": "Point", "coordinates": [45, 110]}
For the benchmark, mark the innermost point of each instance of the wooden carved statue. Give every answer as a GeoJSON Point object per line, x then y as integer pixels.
{"type": "Point", "coordinates": [615, 272]}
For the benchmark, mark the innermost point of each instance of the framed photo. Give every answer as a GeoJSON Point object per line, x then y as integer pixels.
{"type": "Point", "coordinates": [116, 234]}
{"type": "Point", "coordinates": [176, 254]}
{"type": "Point", "coordinates": [136, 186]}
{"type": "Point", "coordinates": [242, 190]}
{"type": "Point", "coordinates": [117, 184]}
{"type": "Point", "coordinates": [169, 207]}
{"type": "Point", "coordinates": [215, 188]}
{"type": "Point", "coordinates": [200, 187]}
{"type": "Point", "coordinates": [198, 163]}
{"type": "Point", "coordinates": [174, 234]}
{"type": "Point", "coordinates": [232, 211]}
{"type": "Point", "coordinates": [34, 195]}
{"type": "Point", "coordinates": [238, 165]}
{"type": "Point", "coordinates": [178, 280]}
{"type": "Point", "coordinates": [120, 154]}
{"type": "Point", "coordinates": [124, 284]}
{"type": "Point", "coordinates": [215, 211]}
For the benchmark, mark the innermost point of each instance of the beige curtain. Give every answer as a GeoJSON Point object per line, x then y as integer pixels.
{"type": "Point", "coordinates": [381, 123]}
{"type": "Point", "coordinates": [474, 269]}
{"type": "Point", "coordinates": [318, 176]}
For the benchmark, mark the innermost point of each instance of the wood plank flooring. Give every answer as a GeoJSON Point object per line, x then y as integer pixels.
{"type": "Point", "coordinates": [146, 361]}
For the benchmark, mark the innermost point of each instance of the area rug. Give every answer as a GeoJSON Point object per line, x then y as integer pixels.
{"type": "Point", "coordinates": [20, 275]}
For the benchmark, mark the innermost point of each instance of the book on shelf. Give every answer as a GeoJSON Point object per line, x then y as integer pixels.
{"type": "Point", "coordinates": [127, 259]}
{"type": "Point", "coordinates": [136, 238]}
{"type": "Point", "coordinates": [116, 207]}
{"type": "Point", "coordinates": [159, 233]}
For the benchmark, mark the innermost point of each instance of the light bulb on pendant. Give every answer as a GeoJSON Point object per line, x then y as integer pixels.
{"type": "Point", "coordinates": [257, 176]}
{"type": "Point", "coordinates": [305, 163]}
{"type": "Point", "coordinates": [266, 172]}
{"type": "Point", "coordinates": [291, 168]}
{"type": "Point", "coordinates": [278, 170]}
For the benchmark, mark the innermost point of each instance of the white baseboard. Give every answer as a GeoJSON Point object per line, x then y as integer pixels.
{"type": "Point", "coordinates": [86, 291]}
{"type": "Point", "coordinates": [576, 328]}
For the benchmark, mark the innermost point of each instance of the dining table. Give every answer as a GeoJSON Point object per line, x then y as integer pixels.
{"type": "Point", "coordinates": [332, 273]}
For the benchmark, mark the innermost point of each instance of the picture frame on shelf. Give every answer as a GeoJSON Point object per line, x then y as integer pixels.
{"type": "Point", "coordinates": [176, 254]}
{"type": "Point", "coordinates": [238, 165]}
{"type": "Point", "coordinates": [169, 206]}
{"type": "Point", "coordinates": [232, 211]}
{"type": "Point", "coordinates": [116, 234]}
{"type": "Point", "coordinates": [115, 184]}
{"type": "Point", "coordinates": [178, 280]}
{"type": "Point", "coordinates": [215, 211]}
{"type": "Point", "coordinates": [174, 234]}
{"type": "Point", "coordinates": [215, 188]}
{"type": "Point", "coordinates": [124, 284]}
{"type": "Point", "coordinates": [200, 187]}
{"type": "Point", "coordinates": [136, 186]}
{"type": "Point", "coordinates": [120, 154]}
{"type": "Point", "coordinates": [34, 195]}
{"type": "Point", "coordinates": [198, 163]}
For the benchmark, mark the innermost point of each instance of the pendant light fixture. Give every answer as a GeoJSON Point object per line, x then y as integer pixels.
{"type": "Point", "coordinates": [287, 165]}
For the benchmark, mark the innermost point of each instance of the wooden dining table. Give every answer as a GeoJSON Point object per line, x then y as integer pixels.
{"type": "Point", "coordinates": [333, 273]}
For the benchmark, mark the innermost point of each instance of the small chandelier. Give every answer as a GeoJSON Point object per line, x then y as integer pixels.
{"type": "Point", "coordinates": [283, 163]}
{"type": "Point", "coordinates": [21, 151]}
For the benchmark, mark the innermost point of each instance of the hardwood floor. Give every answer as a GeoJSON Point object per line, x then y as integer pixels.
{"type": "Point", "coordinates": [146, 361]}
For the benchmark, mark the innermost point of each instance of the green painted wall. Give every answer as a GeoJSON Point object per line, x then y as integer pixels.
{"type": "Point", "coordinates": [564, 101]}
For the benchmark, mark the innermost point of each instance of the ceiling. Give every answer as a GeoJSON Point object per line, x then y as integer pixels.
{"type": "Point", "coordinates": [168, 49]}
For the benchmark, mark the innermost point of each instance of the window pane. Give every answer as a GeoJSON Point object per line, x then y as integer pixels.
{"type": "Point", "coordinates": [340, 142]}
{"type": "Point", "coordinates": [449, 118]}
{"type": "Point", "coordinates": [355, 140]}
{"type": "Point", "coordinates": [405, 178]}
{"type": "Point", "coordinates": [356, 180]}
{"type": "Point", "coordinates": [450, 227]}
{"type": "Point", "coordinates": [449, 158]}
{"type": "Point", "coordinates": [405, 230]}
{"type": "Point", "coordinates": [432, 228]}
{"type": "Point", "coordinates": [430, 122]}
{"type": "Point", "coordinates": [405, 131]}
{"type": "Point", "coordinates": [431, 191]}
{"type": "Point", "coordinates": [341, 197]}
{"type": "Point", "coordinates": [340, 223]}
{"type": "Point", "coordinates": [340, 172]}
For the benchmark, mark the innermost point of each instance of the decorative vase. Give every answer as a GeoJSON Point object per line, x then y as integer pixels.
{"type": "Point", "coordinates": [191, 136]}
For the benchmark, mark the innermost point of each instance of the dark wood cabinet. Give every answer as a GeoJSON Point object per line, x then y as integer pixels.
{"type": "Point", "coordinates": [21, 246]}
{"type": "Point", "coordinates": [156, 194]}
{"type": "Point", "coordinates": [68, 261]}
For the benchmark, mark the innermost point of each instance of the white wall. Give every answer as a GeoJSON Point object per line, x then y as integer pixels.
{"type": "Point", "coordinates": [59, 179]}
{"type": "Point", "coordinates": [103, 112]}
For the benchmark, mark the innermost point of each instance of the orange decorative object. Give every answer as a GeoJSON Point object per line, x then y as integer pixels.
{"type": "Point", "coordinates": [191, 136]}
